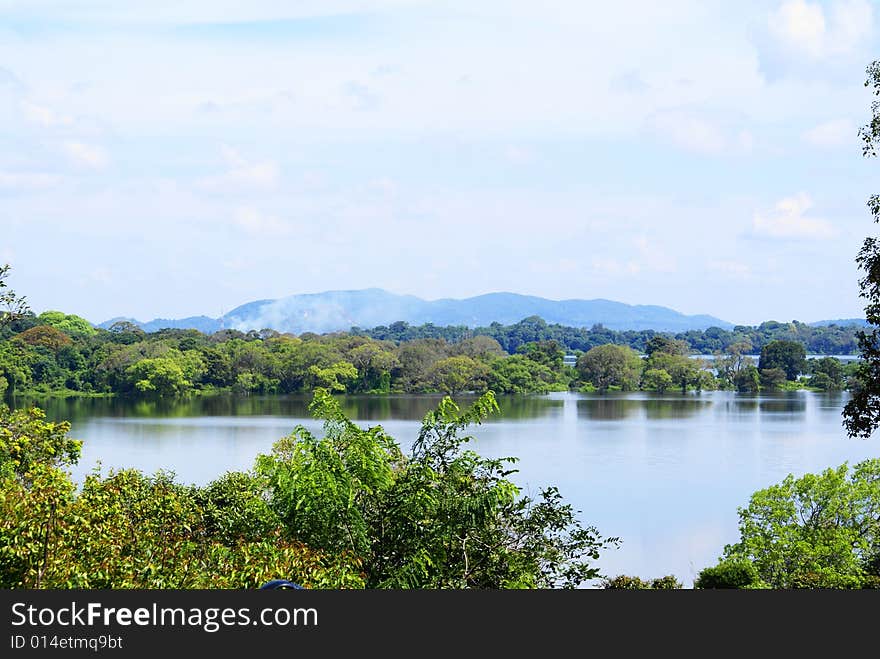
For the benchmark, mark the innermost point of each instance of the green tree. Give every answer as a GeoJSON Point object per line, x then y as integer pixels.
{"type": "Point", "coordinates": [610, 366]}
{"type": "Point", "coordinates": [772, 378]}
{"type": "Point", "coordinates": [160, 377]}
{"type": "Point", "coordinates": [861, 414]}
{"type": "Point", "coordinates": [44, 335]}
{"type": "Point", "coordinates": [747, 379]}
{"type": "Point", "coordinates": [27, 439]}
{"type": "Point", "coordinates": [656, 379]}
{"type": "Point", "coordinates": [667, 345]}
{"type": "Point", "coordinates": [683, 371]}
{"type": "Point", "coordinates": [730, 573]}
{"type": "Point", "coordinates": [790, 356]}
{"type": "Point", "coordinates": [626, 582]}
{"type": "Point", "coordinates": [455, 375]}
{"type": "Point", "coordinates": [128, 530]}
{"type": "Point", "coordinates": [518, 374]}
{"type": "Point", "coordinates": [828, 373]}
{"type": "Point", "coordinates": [416, 358]}
{"type": "Point", "coordinates": [374, 365]}
{"type": "Point", "coordinates": [335, 377]}
{"type": "Point", "coordinates": [730, 363]}
{"type": "Point", "coordinates": [71, 325]}
{"type": "Point", "coordinates": [820, 530]}
{"type": "Point", "coordinates": [484, 348]}
{"type": "Point", "coordinates": [549, 353]}
{"type": "Point", "coordinates": [440, 517]}
{"type": "Point", "coordinates": [12, 306]}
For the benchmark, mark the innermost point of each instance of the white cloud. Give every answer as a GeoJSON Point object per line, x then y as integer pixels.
{"type": "Point", "coordinates": [731, 269]}
{"type": "Point", "coordinates": [652, 256]}
{"type": "Point", "coordinates": [614, 267]}
{"type": "Point", "coordinates": [788, 220]}
{"type": "Point", "coordinates": [517, 155]}
{"type": "Point", "coordinates": [692, 131]}
{"type": "Point", "coordinates": [242, 174]}
{"type": "Point", "coordinates": [255, 222]}
{"type": "Point", "coordinates": [163, 12]}
{"type": "Point", "coordinates": [385, 186]}
{"type": "Point", "coordinates": [26, 180]}
{"type": "Point", "coordinates": [802, 27]}
{"type": "Point", "coordinates": [100, 275]}
{"type": "Point", "coordinates": [10, 81]}
{"type": "Point", "coordinates": [836, 132]}
{"type": "Point", "coordinates": [43, 116]}
{"type": "Point", "coordinates": [85, 155]}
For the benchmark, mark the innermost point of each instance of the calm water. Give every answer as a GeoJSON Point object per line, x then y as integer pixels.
{"type": "Point", "coordinates": [665, 473]}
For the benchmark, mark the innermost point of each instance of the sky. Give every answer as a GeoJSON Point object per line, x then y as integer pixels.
{"type": "Point", "coordinates": [178, 158]}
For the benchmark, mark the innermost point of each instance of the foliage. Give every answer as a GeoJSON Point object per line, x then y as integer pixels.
{"type": "Point", "coordinates": [625, 582]}
{"type": "Point", "coordinates": [656, 379]}
{"type": "Point", "coordinates": [455, 375]}
{"type": "Point", "coordinates": [819, 530]}
{"type": "Point", "coordinates": [772, 378]}
{"type": "Point", "coordinates": [790, 356]}
{"type": "Point", "coordinates": [12, 306]}
{"type": "Point", "coordinates": [831, 339]}
{"type": "Point", "coordinates": [56, 352]}
{"type": "Point", "coordinates": [159, 376]}
{"type": "Point", "coordinates": [747, 380]}
{"type": "Point", "coordinates": [27, 439]}
{"type": "Point", "coordinates": [683, 371]}
{"type": "Point", "coordinates": [134, 531]}
{"type": "Point", "coordinates": [729, 573]}
{"type": "Point", "coordinates": [520, 374]}
{"type": "Point", "coordinates": [827, 373]}
{"type": "Point", "coordinates": [440, 517]}
{"type": "Point", "coordinates": [861, 415]}
{"type": "Point", "coordinates": [610, 366]}
{"type": "Point", "coordinates": [69, 324]}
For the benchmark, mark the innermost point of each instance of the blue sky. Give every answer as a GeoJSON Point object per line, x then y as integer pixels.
{"type": "Point", "coordinates": [181, 158]}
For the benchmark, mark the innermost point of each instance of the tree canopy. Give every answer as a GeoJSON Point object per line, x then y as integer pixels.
{"type": "Point", "coordinates": [862, 413]}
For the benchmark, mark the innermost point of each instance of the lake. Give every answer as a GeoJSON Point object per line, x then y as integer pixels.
{"type": "Point", "coordinates": [665, 473]}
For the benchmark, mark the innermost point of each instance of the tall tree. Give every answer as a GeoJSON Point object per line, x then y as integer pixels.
{"type": "Point", "coordinates": [861, 415]}
{"type": "Point", "coordinates": [790, 356]}
{"type": "Point", "coordinates": [610, 365]}
{"type": "Point", "coordinates": [11, 305]}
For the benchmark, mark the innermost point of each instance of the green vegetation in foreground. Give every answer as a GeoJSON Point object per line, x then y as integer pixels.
{"type": "Point", "coordinates": [58, 354]}
{"type": "Point", "coordinates": [346, 510]}
{"type": "Point", "coordinates": [817, 531]}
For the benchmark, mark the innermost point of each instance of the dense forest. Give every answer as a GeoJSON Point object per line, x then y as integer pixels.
{"type": "Point", "coordinates": [55, 352]}
{"type": "Point", "coordinates": [825, 340]}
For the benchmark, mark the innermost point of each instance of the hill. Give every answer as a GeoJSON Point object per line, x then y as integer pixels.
{"type": "Point", "coordinates": [341, 310]}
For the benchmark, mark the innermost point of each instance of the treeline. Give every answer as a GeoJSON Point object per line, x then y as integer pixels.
{"type": "Point", "coordinates": [56, 352]}
{"type": "Point", "coordinates": [828, 340]}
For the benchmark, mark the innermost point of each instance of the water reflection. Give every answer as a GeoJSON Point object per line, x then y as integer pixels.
{"type": "Point", "coordinates": [674, 408]}
{"type": "Point", "coordinates": [608, 408]}
{"type": "Point", "coordinates": [788, 405]}
{"type": "Point", "coordinates": [361, 408]}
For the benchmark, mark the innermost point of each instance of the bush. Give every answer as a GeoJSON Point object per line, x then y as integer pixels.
{"type": "Point", "coordinates": [625, 582]}
{"type": "Point", "coordinates": [731, 573]}
{"type": "Point", "coordinates": [668, 582]}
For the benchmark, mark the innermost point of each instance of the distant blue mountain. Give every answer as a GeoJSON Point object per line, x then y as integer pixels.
{"type": "Point", "coordinates": [341, 310]}
{"type": "Point", "coordinates": [841, 322]}
{"type": "Point", "coordinates": [201, 323]}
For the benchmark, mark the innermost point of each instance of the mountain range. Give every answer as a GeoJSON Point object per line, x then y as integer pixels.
{"type": "Point", "coordinates": [333, 311]}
